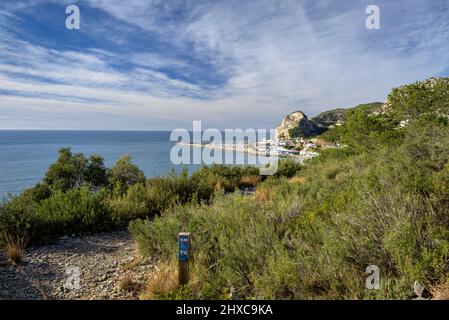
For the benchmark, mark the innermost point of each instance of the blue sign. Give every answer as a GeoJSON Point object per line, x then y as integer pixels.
{"type": "Point", "coordinates": [184, 247]}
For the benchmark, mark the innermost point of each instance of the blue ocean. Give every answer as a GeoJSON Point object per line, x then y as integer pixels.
{"type": "Point", "coordinates": [26, 155]}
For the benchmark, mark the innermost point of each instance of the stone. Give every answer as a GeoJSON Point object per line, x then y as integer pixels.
{"type": "Point", "coordinates": [47, 267]}
{"type": "Point", "coordinates": [295, 124]}
{"type": "Point", "coordinates": [418, 288]}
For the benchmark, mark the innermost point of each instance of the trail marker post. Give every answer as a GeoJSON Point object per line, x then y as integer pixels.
{"type": "Point", "coordinates": [183, 257]}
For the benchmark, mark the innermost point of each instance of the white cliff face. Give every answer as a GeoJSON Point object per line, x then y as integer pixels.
{"type": "Point", "coordinates": [298, 121]}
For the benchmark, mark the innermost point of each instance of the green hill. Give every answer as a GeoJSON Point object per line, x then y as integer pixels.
{"type": "Point", "coordinates": [330, 118]}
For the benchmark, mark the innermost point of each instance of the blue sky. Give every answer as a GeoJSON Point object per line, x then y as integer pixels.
{"type": "Point", "coordinates": [159, 64]}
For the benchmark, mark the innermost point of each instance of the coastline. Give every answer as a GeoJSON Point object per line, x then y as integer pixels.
{"type": "Point", "coordinates": [246, 149]}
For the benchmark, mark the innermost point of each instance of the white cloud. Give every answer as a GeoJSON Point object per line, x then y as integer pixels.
{"type": "Point", "coordinates": [275, 57]}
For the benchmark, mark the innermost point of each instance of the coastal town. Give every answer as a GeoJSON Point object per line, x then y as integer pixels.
{"type": "Point", "coordinates": [299, 149]}
{"type": "Point", "coordinates": [296, 137]}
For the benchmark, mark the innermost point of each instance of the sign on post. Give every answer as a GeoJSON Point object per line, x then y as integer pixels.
{"type": "Point", "coordinates": [183, 257]}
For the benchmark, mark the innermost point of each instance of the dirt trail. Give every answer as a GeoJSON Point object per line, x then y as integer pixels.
{"type": "Point", "coordinates": [84, 267]}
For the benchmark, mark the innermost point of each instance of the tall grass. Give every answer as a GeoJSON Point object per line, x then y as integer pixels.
{"type": "Point", "coordinates": [14, 247]}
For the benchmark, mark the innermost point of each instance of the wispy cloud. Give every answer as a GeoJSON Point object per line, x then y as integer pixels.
{"type": "Point", "coordinates": [228, 63]}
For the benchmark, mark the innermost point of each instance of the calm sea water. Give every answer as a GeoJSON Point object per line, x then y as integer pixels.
{"type": "Point", "coordinates": [26, 155]}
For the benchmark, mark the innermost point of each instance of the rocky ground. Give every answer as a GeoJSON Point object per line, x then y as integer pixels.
{"type": "Point", "coordinates": [101, 266]}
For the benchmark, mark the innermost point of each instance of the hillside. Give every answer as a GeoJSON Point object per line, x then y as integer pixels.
{"type": "Point", "coordinates": [328, 119]}
{"type": "Point", "coordinates": [382, 202]}
{"type": "Point", "coordinates": [310, 231]}
{"type": "Point", "coordinates": [297, 124]}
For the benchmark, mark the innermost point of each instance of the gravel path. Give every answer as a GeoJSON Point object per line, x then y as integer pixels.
{"type": "Point", "coordinates": [85, 267]}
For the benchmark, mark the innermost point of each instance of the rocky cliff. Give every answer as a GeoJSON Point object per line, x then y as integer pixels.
{"type": "Point", "coordinates": [296, 124]}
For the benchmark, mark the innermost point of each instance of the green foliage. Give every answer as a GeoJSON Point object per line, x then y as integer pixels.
{"type": "Point", "coordinates": [211, 179]}
{"type": "Point", "coordinates": [67, 172]}
{"type": "Point", "coordinates": [365, 132]}
{"type": "Point", "coordinates": [309, 232]}
{"type": "Point", "coordinates": [158, 194]}
{"type": "Point", "coordinates": [420, 98]}
{"type": "Point", "coordinates": [75, 196]}
{"type": "Point", "coordinates": [326, 121]}
{"type": "Point", "coordinates": [296, 132]}
{"type": "Point", "coordinates": [382, 201]}
{"type": "Point", "coordinates": [131, 205]}
{"type": "Point", "coordinates": [71, 171]}
{"type": "Point", "coordinates": [75, 211]}
{"type": "Point", "coordinates": [95, 173]}
{"type": "Point", "coordinates": [124, 174]}
{"type": "Point", "coordinates": [287, 168]}
{"type": "Point", "coordinates": [16, 218]}
{"type": "Point", "coordinates": [39, 192]}
{"type": "Point", "coordinates": [143, 236]}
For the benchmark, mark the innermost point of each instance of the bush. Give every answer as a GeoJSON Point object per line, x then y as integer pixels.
{"type": "Point", "coordinates": [132, 205]}
{"type": "Point", "coordinates": [16, 219]}
{"type": "Point", "coordinates": [288, 168]}
{"type": "Point", "coordinates": [75, 211]}
{"type": "Point", "coordinates": [71, 171]}
{"type": "Point", "coordinates": [72, 198]}
{"type": "Point", "coordinates": [124, 174]}
{"type": "Point", "coordinates": [216, 178]}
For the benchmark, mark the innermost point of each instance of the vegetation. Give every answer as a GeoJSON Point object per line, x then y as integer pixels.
{"type": "Point", "coordinates": [14, 247]}
{"type": "Point", "coordinates": [79, 195]}
{"type": "Point", "coordinates": [309, 232]}
{"type": "Point", "coordinates": [383, 200]}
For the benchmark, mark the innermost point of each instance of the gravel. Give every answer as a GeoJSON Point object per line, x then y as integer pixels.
{"type": "Point", "coordinates": [76, 267]}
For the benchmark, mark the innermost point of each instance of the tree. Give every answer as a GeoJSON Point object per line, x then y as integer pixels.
{"type": "Point", "coordinates": [73, 170]}
{"type": "Point", "coordinates": [364, 132]}
{"type": "Point", "coordinates": [124, 174]}
{"type": "Point", "coordinates": [67, 172]}
{"type": "Point", "coordinates": [95, 173]}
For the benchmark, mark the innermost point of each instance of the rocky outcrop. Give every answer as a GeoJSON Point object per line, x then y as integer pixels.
{"type": "Point", "coordinates": [296, 124]}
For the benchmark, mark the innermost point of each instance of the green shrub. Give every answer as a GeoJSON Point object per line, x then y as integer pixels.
{"type": "Point", "coordinates": [215, 178]}
{"type": "Point", "coordinates": [288, 168]}
{"type": "Point", "coordinates": [132, 205]}
{"type": "Point", "coordinates": [16, 218]}
{"type": "Point", "coordinates": [75, 211]}
{"type": "Point", "coordinates": [123, 174]}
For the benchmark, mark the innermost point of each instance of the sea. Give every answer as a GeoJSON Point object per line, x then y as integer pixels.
{"type": "Point", "coordinates": [25, 155]}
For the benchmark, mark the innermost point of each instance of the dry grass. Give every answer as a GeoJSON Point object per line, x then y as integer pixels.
{"type": "Point", "coordinates": [219, 186]}
{"type": "Point", "coordinates": [14, 248]}
{"type": "Point", "coordinates": [164, 279]}
{"type": "Point", "coordinates": [297, 180]}
{"type": "Point", "coordinates": [132, 264]}
{"type": "Point", "coordinates": [440, 292]}
{"type": "Point", "coordinates": [128, 284]}
{"type": "Point", "coordinates": [250, 181]}
{"type": "Point", "coordinates": [265, 194]}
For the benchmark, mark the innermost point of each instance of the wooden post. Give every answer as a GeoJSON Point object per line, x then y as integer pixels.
{"type": "Point", "coordinates": [183, 257]}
